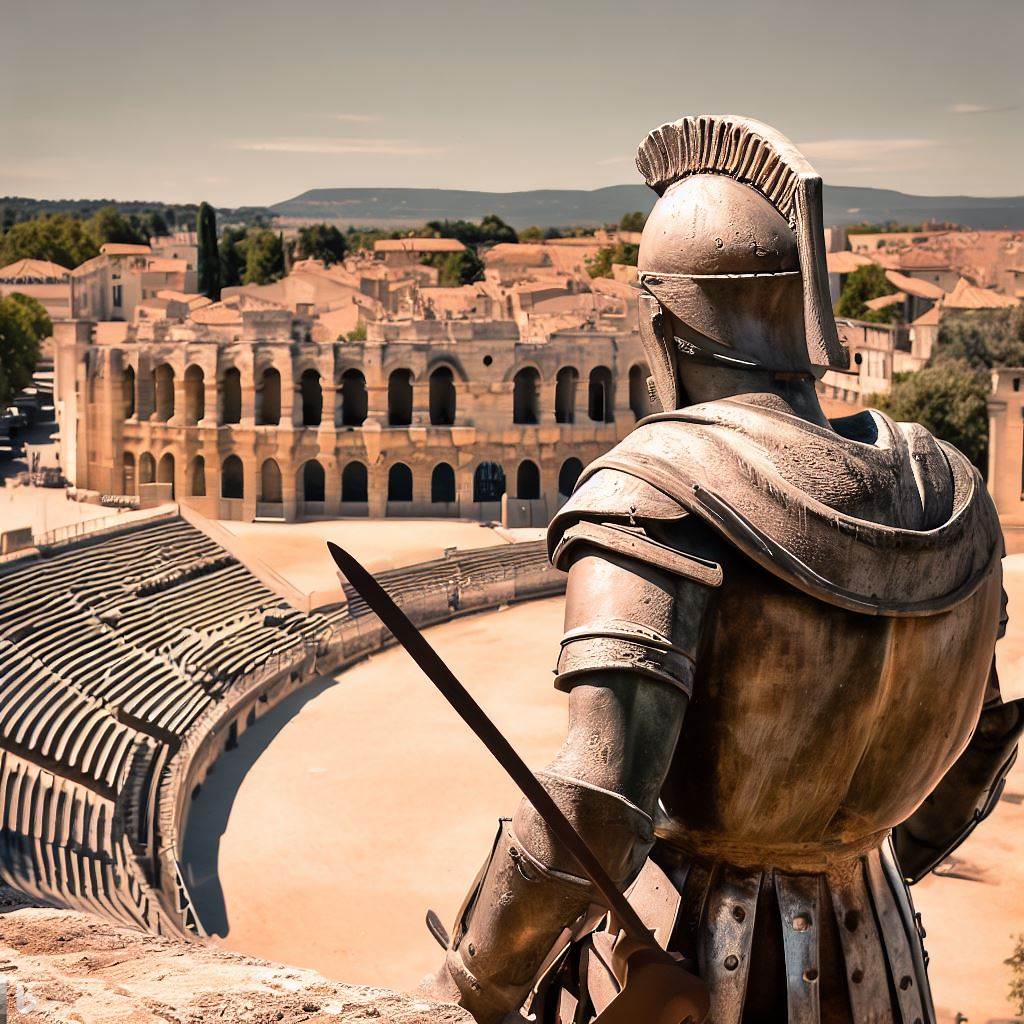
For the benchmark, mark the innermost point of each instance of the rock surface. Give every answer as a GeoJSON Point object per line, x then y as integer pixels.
{"type": "Point", "coordinates": [62, 966]}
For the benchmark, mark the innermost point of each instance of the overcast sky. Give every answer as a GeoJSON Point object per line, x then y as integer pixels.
{"type": "Point", "coordinates": [253, 102]}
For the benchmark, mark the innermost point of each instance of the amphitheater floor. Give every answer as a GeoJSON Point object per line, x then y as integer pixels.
{"type": "Point", "coordinates": [350, 809]}
{"type": "Point", "coordinates": [298, 551]}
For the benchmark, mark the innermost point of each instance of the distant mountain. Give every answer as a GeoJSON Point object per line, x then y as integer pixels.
{"type": "Point", "coordinates": [399, 207]}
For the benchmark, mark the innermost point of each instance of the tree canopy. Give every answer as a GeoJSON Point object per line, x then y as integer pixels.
{"type": "Point", "coordinates": [633, 221]}
{"type": "Point", "coordinates": [949, 395]}
{"type": "Point", "coordinates": [491, 230]}
{"type": "Point", "coordinates": [600, 264]}
{"type": "Point", "coordinates": [867, 282]}
{"type": "Point", "coordinates": [322, 242]}
{"type": "Point", "coordinates": [23, 325]}
{"type": "Point", "coordinates": [209, 256]}
{"type": "Point", "coordinates": [455, 268]}
{"type": "Point", "coordinates": [264, 257]}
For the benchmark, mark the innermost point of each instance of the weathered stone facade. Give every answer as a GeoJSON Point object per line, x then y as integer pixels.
{"type": "Point", "coordinates": [423, 418]}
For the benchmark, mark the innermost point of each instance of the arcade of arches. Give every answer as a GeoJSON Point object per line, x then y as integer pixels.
{"type": "Point", "coordinates": [304, 429]}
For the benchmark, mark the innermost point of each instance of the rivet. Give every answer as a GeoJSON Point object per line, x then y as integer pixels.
{"type": "Point", "coordinates": [852, 920]}
{"type": "Point", "coordinates": [802, 922]}
{"type": "Point", "coordinates": [810, 974]}
{"type": "Point", "coordinates": [732, 962]}
{"type": "Point", "coordinates": [906, 982]}
{"type": "Point", "coordinates": [856, 976]}
{"type": "Point", "coordinates": [739, 914]}
{"type": "Point", "coordinates": [471, 949]}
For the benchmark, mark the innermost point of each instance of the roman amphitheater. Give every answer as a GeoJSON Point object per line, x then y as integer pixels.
{"type": "Point", "coordinates": [203, 735]}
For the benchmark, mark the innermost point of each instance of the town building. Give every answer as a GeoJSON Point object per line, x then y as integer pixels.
{"type": "Point", "coordinates": [48, 283]}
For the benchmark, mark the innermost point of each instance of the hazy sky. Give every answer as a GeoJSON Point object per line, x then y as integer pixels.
{"type": "Point", "coordinates": [254, 102]}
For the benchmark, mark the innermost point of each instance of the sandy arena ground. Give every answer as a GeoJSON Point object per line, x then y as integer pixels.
{"type": "Point", "coordinates": [297, 550]}
{"type": "Point", "coordinates": [353, 807]}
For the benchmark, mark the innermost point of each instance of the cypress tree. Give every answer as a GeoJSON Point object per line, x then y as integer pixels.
{"type": "Point", "coordinates": [209, 258]}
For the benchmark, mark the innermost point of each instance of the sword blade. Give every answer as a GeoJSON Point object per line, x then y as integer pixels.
{"type": "Point", "coordinates": [434, 668]}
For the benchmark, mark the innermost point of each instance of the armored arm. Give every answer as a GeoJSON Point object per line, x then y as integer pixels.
{"type": "Point", "coordinates": [968, 792]}
{"type": "Point", "coordinates": [632, 629]}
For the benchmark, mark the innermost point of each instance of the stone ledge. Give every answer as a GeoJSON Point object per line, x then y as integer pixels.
{"type": "Point", "coordinates": [75, 967]}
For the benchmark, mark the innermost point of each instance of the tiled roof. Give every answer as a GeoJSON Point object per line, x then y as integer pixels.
{"type": "Point", "coordinates": [912, 286]}
{"type": "Point", "coordinates": [968, 296]}
{"type": "Point", "coordinates": [418, 245]}
{"type": "Point", "coordinates": [27, 270]}
{"type": "Point", "coordinates": [124, 249]}
{"type": "Point", "coordinates": [845, 262]}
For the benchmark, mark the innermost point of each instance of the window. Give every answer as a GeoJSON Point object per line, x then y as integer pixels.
{"type": "Point", "coordinates": [442, 397]}
{"type": "Point", "coordinates": [163, 392]}
{"type": "Point", "coordinates": [197, 481]}
{"type": "Point", "coordinates": [353, 399]}
{"type": "Point", "coordinates": [231, 396]}
{"type": "Point", "coordinates": [195, 395]}
{"type": "Point", "coordinates": [639, 397]}
{"type": "Point", "coordinates": [117, 296]}
{"type": "Point", "coordinates": [400, 482]}
{"type": "Point", "coordinates": [528, 481]}
{"type": "Point", "coordinates": [601, 403]}
{"type": "Point", "coordinates": [128, 395]}
{"type": "Point", "coordinates": [442, 483]}
{"type": "Point", "coordinates": [568, 475]}
{"type": "Point", "coordinates": [353, 482]}
{"type": "Point", "coordinates": [268, 398]}
{"type": "Point", "coordinates": [270, 482]}
{"type": "Point", "coordinates": [488, 482]}
{"type": "Point", "coordinates": [400, 398]}
{"type": "Point", "coordinates": [565, 394]}
{"type": "Point", "coordinates": [312, 398]}
{"type": "Point", "coordinates": [526, 396]}
{"type": "Point", "coordinates": [312, 481]}
{"type": "Point", "coordinates": [232, 478]}
{"type": "Point", "coordinates": [165, 471]}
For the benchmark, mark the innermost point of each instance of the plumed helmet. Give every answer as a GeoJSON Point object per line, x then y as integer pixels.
{"type": "Point", "coordinates": [732, 257]}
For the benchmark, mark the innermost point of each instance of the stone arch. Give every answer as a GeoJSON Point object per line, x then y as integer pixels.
{"type": "Point", "coordinates": [312, 398]}
{"type": "Point", "coordinates": [163, 392]}
{"type": "Point", "coordinates": [128, 482]}
{"type": "Point", "coordinates": [128, 393]}
{"type": "Point", "coordinates": [442, 397]}
{"type": "Point", "coordinates": [526, 396]}
{"type": "Point", "coordinates": [268, 398]}
{"type": "Point", "coordinates": [354, 401]}
{"type": "Point", "coordinates": [565, 394]}
{"type": "Point", "coordinates": [231, 396]}
{"type": "Point", "coordinates": [354, 483]}
{"type": "Point", "coordinates": [568, 475]}
{"type": "Point", "coordinates": [195, 395]}
{"type": "Point", "coordinates": [165, 470]}
{"type": "Point", "coordinates": [488, 482]}
{"type": "Point", "coordinates": [601, 396]}
{"type": "Point", "coordinates": [147, 468]}
{"type": "Point", "coordinates": [399, 482]}
{"type": "Point", "coordinates": [313, 481]}
{"type": "Point", "coordinates": [197, 477]}
{"type": "Point", "coordinates": [442, 484]}
{"type": "Point", "coordinates": [528, 480]}
{"type": "Point", "coordinates": [270, 483]}
{"type": "Point", "coordinates": [400, 398]}
{"type": "Point", "coordinates": [232, 478]}
{"type": "Point", "coordinates": [639, 396]}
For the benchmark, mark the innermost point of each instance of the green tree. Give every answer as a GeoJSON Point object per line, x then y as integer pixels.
{"type": "Point", "coordinates": [232, 256]}
{"type": "Point", "coordinates": [867, 282]}
{"type": "Point", "coordinates": [23, 325]}
{"type": "Point", "coordinates": [949, 399]}
{"type": "Point", "coordinates": [264, 257]}
{"type": "Point", "coordinates": [107, 225]}
{"type": "Point", "coordinates": [209, 255]}
{"type": "Point", "coordinates": [633, 221]}
{"type": "Point", "coordinates": [58, 238]}
{"type": "Point", "coordinates": [600, 264]}
{"type": "Point", "coordinates": [322, 242]}
{"type": "Point", "coordinates": [490, 231]}
{"type": "Point", "coordinates": [455, 268]}
{"type": "Point", "coordinates": [982, 338]}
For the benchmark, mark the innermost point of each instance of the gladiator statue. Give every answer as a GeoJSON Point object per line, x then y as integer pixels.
{"type": "Point", "coordinates": [778, 648]}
